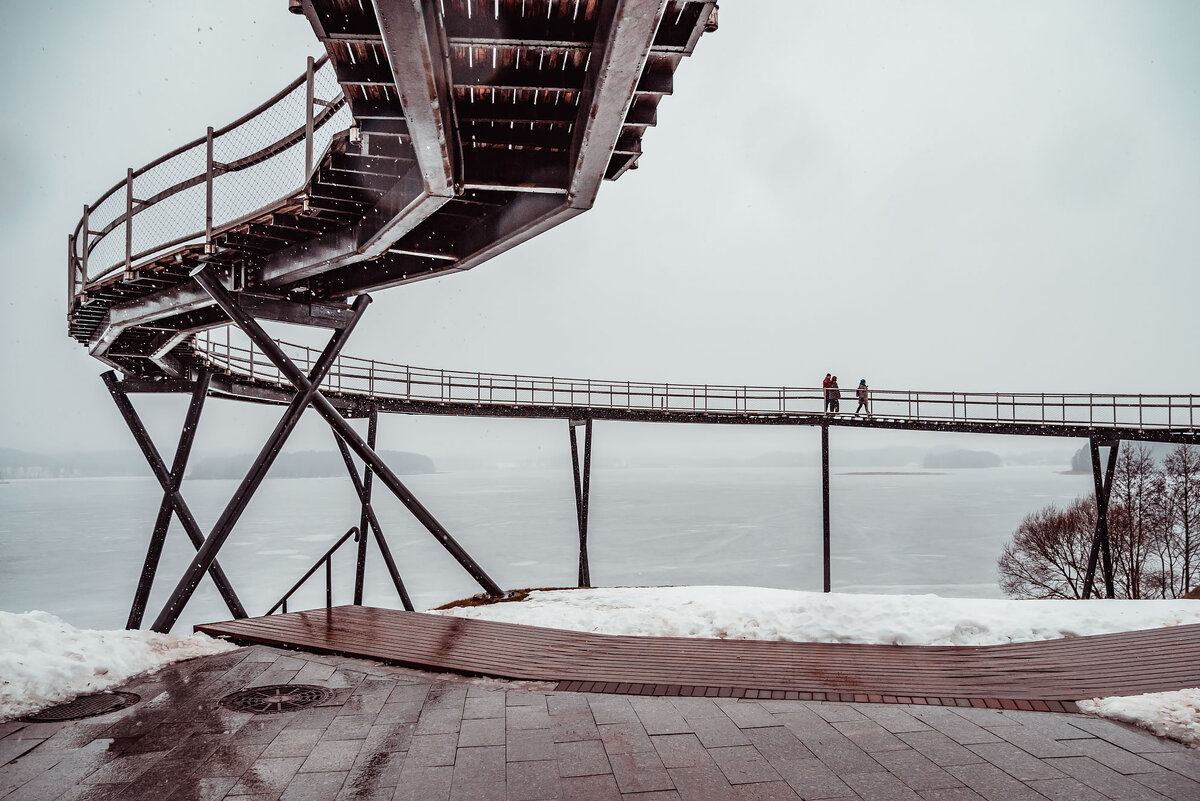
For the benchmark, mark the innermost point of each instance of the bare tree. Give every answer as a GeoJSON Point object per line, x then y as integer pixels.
{"type": "Point", "coordinates": [1048, 555]}
{"type": "Point", "coordinates": [1154, 534]}
{"type": "Point", "coordinates": [1134, 521]}
{"type": "Point", "coordinates": [1181, 469]}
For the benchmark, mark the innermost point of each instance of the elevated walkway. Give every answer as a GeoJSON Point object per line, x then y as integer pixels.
{"type": "Point", "coordinates": [431, 137]}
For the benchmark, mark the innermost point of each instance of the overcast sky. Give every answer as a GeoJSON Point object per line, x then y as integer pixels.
{"type": "Point", "coordinates": [988, 196]}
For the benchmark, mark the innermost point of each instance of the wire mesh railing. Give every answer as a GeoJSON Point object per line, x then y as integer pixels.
{"type": "Point", "coordinates": [371, 378]}
{"type": "Point", "coordinates": [216, 182]}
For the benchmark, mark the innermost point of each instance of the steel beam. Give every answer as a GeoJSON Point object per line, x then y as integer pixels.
{"type": "Point", "coordinates": [307, 389]}
{"type": "Point", "coordinates": [360, 571]}
{"type": "Point", "coordinates": [166, 509]}
{"type": "Point", "coordinates": [825, 504]}
{"type": "Point", "coordinates": [409, 29]}
{"type": "Point", "coordinates": [258, 471]}
{"type": "Point", "coordinates": [582, 492]}
{"type": "Point", "coordinates": [1100, 542]}
{"type": "Point", "coordinates": [384, 550]}
{"type": "Point", "coordinates": [171, 494]}
{"type": "Point", "coordinates": [624, 39]}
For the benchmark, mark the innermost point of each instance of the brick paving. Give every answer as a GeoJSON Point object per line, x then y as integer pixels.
{"type": "Point", "coordinates": [396, 733]}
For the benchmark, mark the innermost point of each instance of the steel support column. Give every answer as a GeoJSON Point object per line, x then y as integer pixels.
{"type": "Point", "coordinates": [258, 471]}
{"type": "Point", "coordinates": [369, 510]}
{"type": "Point", "coordinates": [825, 503]}
{"type": "Point", "coordinates": [1100, 543]}
{"type": "Point", "coordinates": [361, 569]}
{"type": "Point", "coordinates": [166, 510]}
{"type": "Point", "coordinates": [582, 492]}
{"type": "Point", "coordinates": [172, 500]}
{"type": "Point", "coordinates": [343, 429]}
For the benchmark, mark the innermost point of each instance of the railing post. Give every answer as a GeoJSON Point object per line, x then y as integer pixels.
{"type": "Point", "coordinates": [826, 575]}
{"type": "Point", "coordinates": [371, 379]}
{"type": "Point", "coordinates": [87, 240]}
{"type": "Point", "coordinates": [329, 581]}
{"type": "Point", "coordinates": [308, 120]}
{"type": "Point", "coordinates": [208, 192]}
{"type": "Point", "coordinates": [70, 271]}
{"type": "Point", "coordinates": [128, 219]}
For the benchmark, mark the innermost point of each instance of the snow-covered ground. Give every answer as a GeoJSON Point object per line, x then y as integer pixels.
{"type": "Point", "coordinates": [756, 613]}
{"type": "Point", "coordinates": [768, 614]}
{"type": "Point", "coordinates": [44, 660]}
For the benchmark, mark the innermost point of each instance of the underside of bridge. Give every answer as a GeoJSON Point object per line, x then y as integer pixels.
{"type": "Point", "coordinates": [449, 132]}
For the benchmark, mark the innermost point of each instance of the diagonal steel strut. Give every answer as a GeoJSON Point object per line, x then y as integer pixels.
{"type": "Point", "coordinates": [308, 388]}
{"type": "Point", "coordinates": [172, 500]}
{"type": "Point", "coordinates": [258, 471]}
{"type": "Point", "coordinates": [371, 522]}
{"type": "Point", "coordinates": [1100, 543]}
{"type": "Point", "coordinates": [582, 489]}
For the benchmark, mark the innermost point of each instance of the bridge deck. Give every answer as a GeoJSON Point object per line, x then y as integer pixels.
{"type": "Point", "coordinates": [1046, 675]}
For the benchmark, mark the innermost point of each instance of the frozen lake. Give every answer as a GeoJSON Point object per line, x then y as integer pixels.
{"type": "Point", "coordinates": [74, 547]}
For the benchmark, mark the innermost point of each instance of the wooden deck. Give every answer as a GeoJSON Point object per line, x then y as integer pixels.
{"type": "Point", "coordinates": [1045, 675]}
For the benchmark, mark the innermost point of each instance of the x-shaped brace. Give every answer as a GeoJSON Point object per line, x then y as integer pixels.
{"type": "Point", "coordinates": [172, 502]}
{"type": "Point", "coordinates": [307, 394]}
{"type": "Point", "coordinates": [1100, 543]}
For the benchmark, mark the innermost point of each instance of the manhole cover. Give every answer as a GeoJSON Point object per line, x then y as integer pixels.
{"type": "Point", "coordinates": [85, 706]}
{"type": "Point", "coordinates": [276, 698]}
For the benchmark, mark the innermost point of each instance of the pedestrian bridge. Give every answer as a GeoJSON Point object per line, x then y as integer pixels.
{"type": "Point", "coordinates": [355, 384]}
{"type": "Point", "coordinates": [430, 138]}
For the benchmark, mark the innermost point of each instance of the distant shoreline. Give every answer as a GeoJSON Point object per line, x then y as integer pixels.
{"type": "Point", "coordinates": [890, 473]}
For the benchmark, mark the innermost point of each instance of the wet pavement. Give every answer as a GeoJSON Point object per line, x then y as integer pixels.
{"type": "Point", "coordinates": [392, 733]}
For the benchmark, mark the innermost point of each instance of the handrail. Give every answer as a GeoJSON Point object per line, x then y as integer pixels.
{"type": "Point", "coordinates": [194, 192]}
{"type": "Point", "coordinates": [327, 559]}
{"type": "Point", "coordinates": [381, 380]}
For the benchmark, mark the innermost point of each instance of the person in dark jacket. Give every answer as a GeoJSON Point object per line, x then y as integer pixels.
{"type": "Point", "coordinates": [835, 395]}
{"type": "Point", "coordinates": [863, 396]}
{"type": "Point", "coordinates": [825, 392]}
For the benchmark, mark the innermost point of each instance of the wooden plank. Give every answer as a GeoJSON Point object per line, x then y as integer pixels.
{"type": "Point", "coordinates": [994, 676]}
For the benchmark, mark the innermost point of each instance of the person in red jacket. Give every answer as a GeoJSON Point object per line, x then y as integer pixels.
{"type": "Point", "coordinates": [825, 392]}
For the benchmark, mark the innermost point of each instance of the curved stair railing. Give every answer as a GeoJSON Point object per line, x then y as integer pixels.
{"type": "Point", "coordinates": [379, 380]}
{"type": "Point", "coordinates": [210, 185]}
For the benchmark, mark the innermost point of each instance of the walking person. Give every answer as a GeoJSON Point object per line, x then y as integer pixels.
{"type": "Point", "coordinates": [863, 395]}
{"type": "Point", "coordinates": [835, 395]}
{"type": "Point", "coordinates": [825, 393]}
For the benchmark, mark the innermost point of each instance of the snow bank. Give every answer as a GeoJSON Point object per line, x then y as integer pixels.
{"type": "Point", "coordinates": [45, 661]}
{"type": "Point", "coordinates": [1175, 714]}
{"type": "Point", "coordinates": [763, 614]}
{"type": "Point", "coordinates": [755, 613]}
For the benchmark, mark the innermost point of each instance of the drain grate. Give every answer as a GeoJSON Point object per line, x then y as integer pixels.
{"type": "Point", "coordinates": [276, 698]}
{"type": "Point", "coordinates": [85, 706]}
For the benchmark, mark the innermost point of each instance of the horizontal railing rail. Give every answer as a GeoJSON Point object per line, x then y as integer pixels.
{"type": "Point", "coordinates": [327, 560]}
{"type": "Point", "coordinates": [210, 185]}
{"type": "Point", "coordinates": [383, 380]}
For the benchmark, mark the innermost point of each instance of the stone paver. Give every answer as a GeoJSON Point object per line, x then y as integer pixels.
{"type": "Point", "coordinates": [392, 734]}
